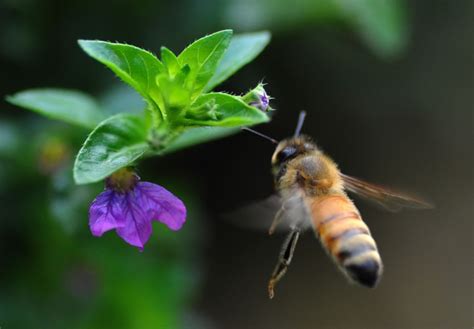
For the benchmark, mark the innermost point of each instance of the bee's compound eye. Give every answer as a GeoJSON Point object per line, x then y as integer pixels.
{"type": "Point", "coordinates": [287, 153]}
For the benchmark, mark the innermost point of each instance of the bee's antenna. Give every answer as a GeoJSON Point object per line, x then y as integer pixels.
{"type": "Point", "coordinates": [274, 141]}
{"type": "Point", "coordinates": [300, 123]}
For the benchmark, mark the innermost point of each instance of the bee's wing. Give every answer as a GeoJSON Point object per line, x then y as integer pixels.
{"type": "Point", "coordinates": [390, 200]}
{"type": "Point", "coordinates": [260, 215]}
{"type": "Point", "coordinates": [257, 215]}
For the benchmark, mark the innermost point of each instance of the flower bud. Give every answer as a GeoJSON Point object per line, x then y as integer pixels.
{"type": "Point", "coordinates": [207, 111]}
{"type": "Point", "coordinates": [258, 98]}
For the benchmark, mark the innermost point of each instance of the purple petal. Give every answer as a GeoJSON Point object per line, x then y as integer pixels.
{"type": "Point", "coordinates": [103, 212]}
{"type": "Point", "coordinates": [162, 205]}
{"type": "Point", "coordinates": [137, 228]}
{"type": "Point", "coordinates": [131, 213]}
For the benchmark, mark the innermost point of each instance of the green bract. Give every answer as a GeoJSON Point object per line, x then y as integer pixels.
{"type": "Point", "coordinates": [220, 109]}
{"type": "Point", "coordinates": [179, 111]}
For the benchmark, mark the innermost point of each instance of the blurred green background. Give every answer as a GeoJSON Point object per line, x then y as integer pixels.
{"type": "Point", "coordinates": [388, 87]}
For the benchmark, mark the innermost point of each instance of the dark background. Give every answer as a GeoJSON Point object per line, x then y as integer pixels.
{"type": "Point", "coordinates": [403, 121]}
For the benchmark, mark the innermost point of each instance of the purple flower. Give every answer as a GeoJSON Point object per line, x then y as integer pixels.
{"type": "Point", "coordinates": [258, 98]}
{"type": "Point", "coordinates": [129, 206]}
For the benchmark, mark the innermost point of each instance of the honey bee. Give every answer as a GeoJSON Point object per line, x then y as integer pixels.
{"type": "Point", "coordinates": [312, 194]}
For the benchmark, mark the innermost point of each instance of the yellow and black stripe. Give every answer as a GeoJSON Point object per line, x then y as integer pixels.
{"type": "Point", "coordinates": [347, 238]}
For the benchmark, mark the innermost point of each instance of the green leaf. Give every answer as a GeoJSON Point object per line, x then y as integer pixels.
{"type": "Point", "coordinates": [71, 106]}
{"type": "Point", "coordinates": [198, 135]}
{"type": "Point", "coordinates": [220, 109]}
{"type": "Point", "coordinates": [203, 56]}
{"type": "Point", "coordinates": [382, 24]}
{"type": "Point", "coordinates": [115, 143]}
{"type": "Point", "coordinates": [243, 49]}
{"type": "Point", "coordinates": [133, 65]}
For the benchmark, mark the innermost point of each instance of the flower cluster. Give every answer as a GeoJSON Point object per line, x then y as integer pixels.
{"type": "Point", "coordinates": [129, 206]}
{"type": "Point", "coordinates": [179, 101]}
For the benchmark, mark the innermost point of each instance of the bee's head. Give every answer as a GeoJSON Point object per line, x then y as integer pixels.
{"type": "Point", "coordinates": [290, 148]}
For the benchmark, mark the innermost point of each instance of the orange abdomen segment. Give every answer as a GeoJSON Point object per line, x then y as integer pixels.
{"type": "Point", "coordinates": [347, 238]}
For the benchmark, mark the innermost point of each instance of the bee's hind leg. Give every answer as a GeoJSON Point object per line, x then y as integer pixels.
{"type": "Point", "coordinates": [284, 259]}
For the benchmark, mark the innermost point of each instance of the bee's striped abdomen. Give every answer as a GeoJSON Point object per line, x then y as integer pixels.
{"type": "Point", "coordinates": [347, 238]}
